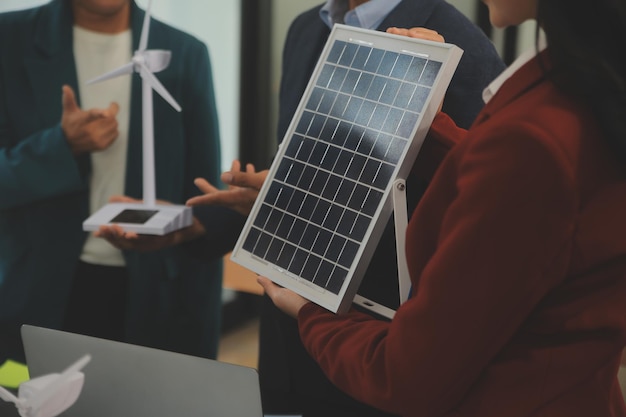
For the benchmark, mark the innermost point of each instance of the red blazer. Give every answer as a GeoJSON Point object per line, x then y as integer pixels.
{"type": "Point", "coordinates": [517, 253]}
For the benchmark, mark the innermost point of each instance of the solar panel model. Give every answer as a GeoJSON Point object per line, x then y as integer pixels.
{"type": "Point", "coordinates": [358, 128]}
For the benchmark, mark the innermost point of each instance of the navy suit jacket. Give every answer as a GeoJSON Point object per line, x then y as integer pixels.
{"type": "Point", "coordinates": [174, 295]}
{"type": "Point", "coordinates": [285, 367]}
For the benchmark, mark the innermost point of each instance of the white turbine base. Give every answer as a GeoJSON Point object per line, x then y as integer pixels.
{"type": "Point", "coordinates": [159, 219]}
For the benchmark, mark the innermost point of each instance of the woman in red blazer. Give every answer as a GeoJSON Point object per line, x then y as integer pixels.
{"type": "Point", "coordinates": [517, 252]}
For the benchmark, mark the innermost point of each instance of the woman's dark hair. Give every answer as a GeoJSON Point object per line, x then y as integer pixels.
{"type": "Point", "coordinates": [588, 41]}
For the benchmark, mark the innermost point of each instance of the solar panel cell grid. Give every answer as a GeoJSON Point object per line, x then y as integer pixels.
{"type": "Point", "coordinates": [361, 133]}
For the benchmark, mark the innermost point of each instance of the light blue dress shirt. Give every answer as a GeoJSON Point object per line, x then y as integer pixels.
{"type": "Point", "coordinates": [368, 15]}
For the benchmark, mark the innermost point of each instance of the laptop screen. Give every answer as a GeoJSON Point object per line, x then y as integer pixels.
{"type": "Point", "coordinates": [125, 380]}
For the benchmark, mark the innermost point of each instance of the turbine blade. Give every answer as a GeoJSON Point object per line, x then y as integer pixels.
{"type": "Point", "coordinates": [126, 69]}
{"type": "Point", "coordinates": [158, 87]}
{"type": "Point", "coordinates": [6, 395]}
{"type": "Point", "coordinates": [145, 29]}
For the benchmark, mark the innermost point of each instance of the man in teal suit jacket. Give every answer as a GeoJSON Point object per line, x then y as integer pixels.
{"type": "Point", "coordinates": [173, 295]}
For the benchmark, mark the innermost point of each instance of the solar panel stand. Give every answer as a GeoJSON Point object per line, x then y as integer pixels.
{"type": "Point", "coordinates": [401, 222]}
{"type": "Point", "coordinates": [398, 193]}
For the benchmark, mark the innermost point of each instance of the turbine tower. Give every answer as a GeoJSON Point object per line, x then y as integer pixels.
{"type": "Point", "coordinates": [146, 62]}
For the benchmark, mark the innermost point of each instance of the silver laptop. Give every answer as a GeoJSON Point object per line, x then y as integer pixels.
{"type": "Point", "coordinates": [124, 380]}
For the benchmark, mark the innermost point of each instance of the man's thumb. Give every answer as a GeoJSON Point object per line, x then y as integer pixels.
{"type": "Point", "coordinates": [69, 100]}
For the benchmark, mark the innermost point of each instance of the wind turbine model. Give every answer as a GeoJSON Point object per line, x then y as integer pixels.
{"type": "Point", "coordinates": [146, 217]}
{"type": "Point", "coordinates": [49, 395]}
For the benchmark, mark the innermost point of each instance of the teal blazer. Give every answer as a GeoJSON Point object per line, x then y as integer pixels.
{"type": "Point", "coordinates": [175, 294]}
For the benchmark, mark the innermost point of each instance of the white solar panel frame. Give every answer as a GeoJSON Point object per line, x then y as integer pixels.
{"type": "Point", "coordinates": [449, 56]}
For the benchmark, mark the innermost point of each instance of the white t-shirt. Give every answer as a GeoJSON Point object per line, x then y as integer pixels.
{"type": "Point", "coordinates": [95, 54]}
